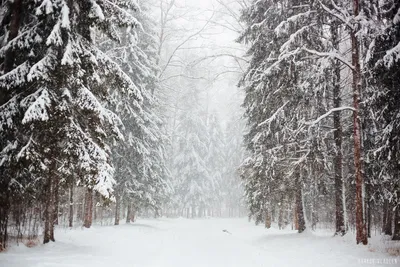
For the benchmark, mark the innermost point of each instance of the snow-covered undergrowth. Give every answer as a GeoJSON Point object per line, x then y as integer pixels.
{"type": "Point", "coordinates": [197, 243]}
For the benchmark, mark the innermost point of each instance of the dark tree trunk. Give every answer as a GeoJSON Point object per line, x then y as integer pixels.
{"type": "Point", "coordinates": [128, 213]}
{"type": "Point", "coordinates": [369, 216]}
{"type": "Point", "coordinates": [7, 65]}
{"type": "Point", "coordinates": [49, 211]}
{"type": "Point", "coordinates": [71, 204]}
{"type": "Point", "coordinates": [4, 211]}
{"type": "Point", "coordinates": [16, 16]}
{"type": "Point", "coordinates": [396, 233]}
{"type": "Point", "coordinates": [88, 208]}
{"type": "Point", "coordinates": [361, 231]}
{"type": "Point", "coordinates": [389, 219]}
{"type": "Point", "coordinates": [56, 202]}
{"type": "Point", "coordinates": [299, 210]}
{"type": "Point", "coordinates": [338, 136]}
{"type": "Point", "coordinates": [384, 214]}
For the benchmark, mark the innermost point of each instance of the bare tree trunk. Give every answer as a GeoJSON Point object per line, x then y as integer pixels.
{"type": "Point", "coordinates": [128, 212]}
{"type": "Point", "coordinates": [88, 208]}
{"type": "Point", "coordinates": [295, 218]}
{"type": "Point", "coordinates": [338, 136]}
{"type": "Point", "coordinates": [56, 202]}
{"type": "Point", "coordinates": [369, 213]}
{"type": "Point", "coordinates": [389, 219]}
{"type": "Point", "coordinates": [267, 219]}
{"type": "Point", "coordinates": [71, 204]}
{"type": "Point", "coordinates": [361, 231]}
{"type": "Point", "coordinates": [49, 211]}
{"type": "Point", "coordinates": [4, 211]}
{"type": "Point", "coordinates": [299, 210]}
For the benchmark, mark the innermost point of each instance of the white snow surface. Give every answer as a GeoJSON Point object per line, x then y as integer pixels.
{"type": "Point", "coordinates": [194, 243]}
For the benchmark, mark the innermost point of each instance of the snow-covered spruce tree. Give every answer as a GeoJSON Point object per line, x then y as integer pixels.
{"type": "Point", "coordinates": [215, 161]}
{"type": "Point", "coordinates": [52, 119]}
{"type": "Point", "coordinates": [232, 190]}
{"type": "Point", "coordinates": [140, 171]}
{"type": "Point", "coordinates": [278, 91]}
{"type": "Point", "coordinates": [191, 173]}
{"type": "Point", "coordinates": [324, 146]}
{"type": "Point", "coordinates": [384, 92]}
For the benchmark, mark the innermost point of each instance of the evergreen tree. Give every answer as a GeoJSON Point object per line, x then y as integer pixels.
{"type": "Point", "coordinates": [278, 88]}
{"type": "Point", "coordinates": [190, 166]}
{"type": "Point", "coordinates": [141, 174]}
{"type": "Point", "coordinates": [52, 118]}
{"type": "Point", "coordinates": [215, 161]}
{"type": "Point", "coordinates": [384, 63]}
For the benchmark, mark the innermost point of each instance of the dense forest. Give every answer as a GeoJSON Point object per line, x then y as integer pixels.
{"type": "Point", "coordinates": [110, 109]}
{"type": "Point", "coordinates": [86, 135]}
{"type": "Point", "coordinates": [322, 112]}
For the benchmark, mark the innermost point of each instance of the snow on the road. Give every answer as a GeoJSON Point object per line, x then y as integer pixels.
{"type": "Point", "coordinates": [193, 243]}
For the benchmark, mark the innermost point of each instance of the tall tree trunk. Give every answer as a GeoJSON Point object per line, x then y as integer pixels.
{"type": "Point", "coordinates": [338, 136]}
{"type": "Point", "coordinates": [361, 231]}
{"type": "Point", "coordinates": [88, 208]}
{"type": "Point", "coordinates": [8, 64]}
{"type": "Point", "coordinates": [71, 204]}
{"type": "Point", "coordinates": [117, 209]}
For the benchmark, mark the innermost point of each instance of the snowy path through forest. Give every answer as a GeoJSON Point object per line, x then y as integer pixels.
{"type": "Point", "coordinates": [190, 243]}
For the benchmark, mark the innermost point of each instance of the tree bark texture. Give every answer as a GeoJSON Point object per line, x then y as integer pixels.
{"type": "Point", "coordinates": [88, 208]}
{"type": "Point", "coordinates": [361, 231]}
{"type": "Point", "coordinates": [338, 136]}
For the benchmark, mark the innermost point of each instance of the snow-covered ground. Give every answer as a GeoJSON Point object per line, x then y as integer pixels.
{"type": "Point", "coordinates": [194, 243]}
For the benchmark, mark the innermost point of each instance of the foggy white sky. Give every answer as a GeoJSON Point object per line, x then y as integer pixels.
{"type": "Point", "coordinates": [223, 94]}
